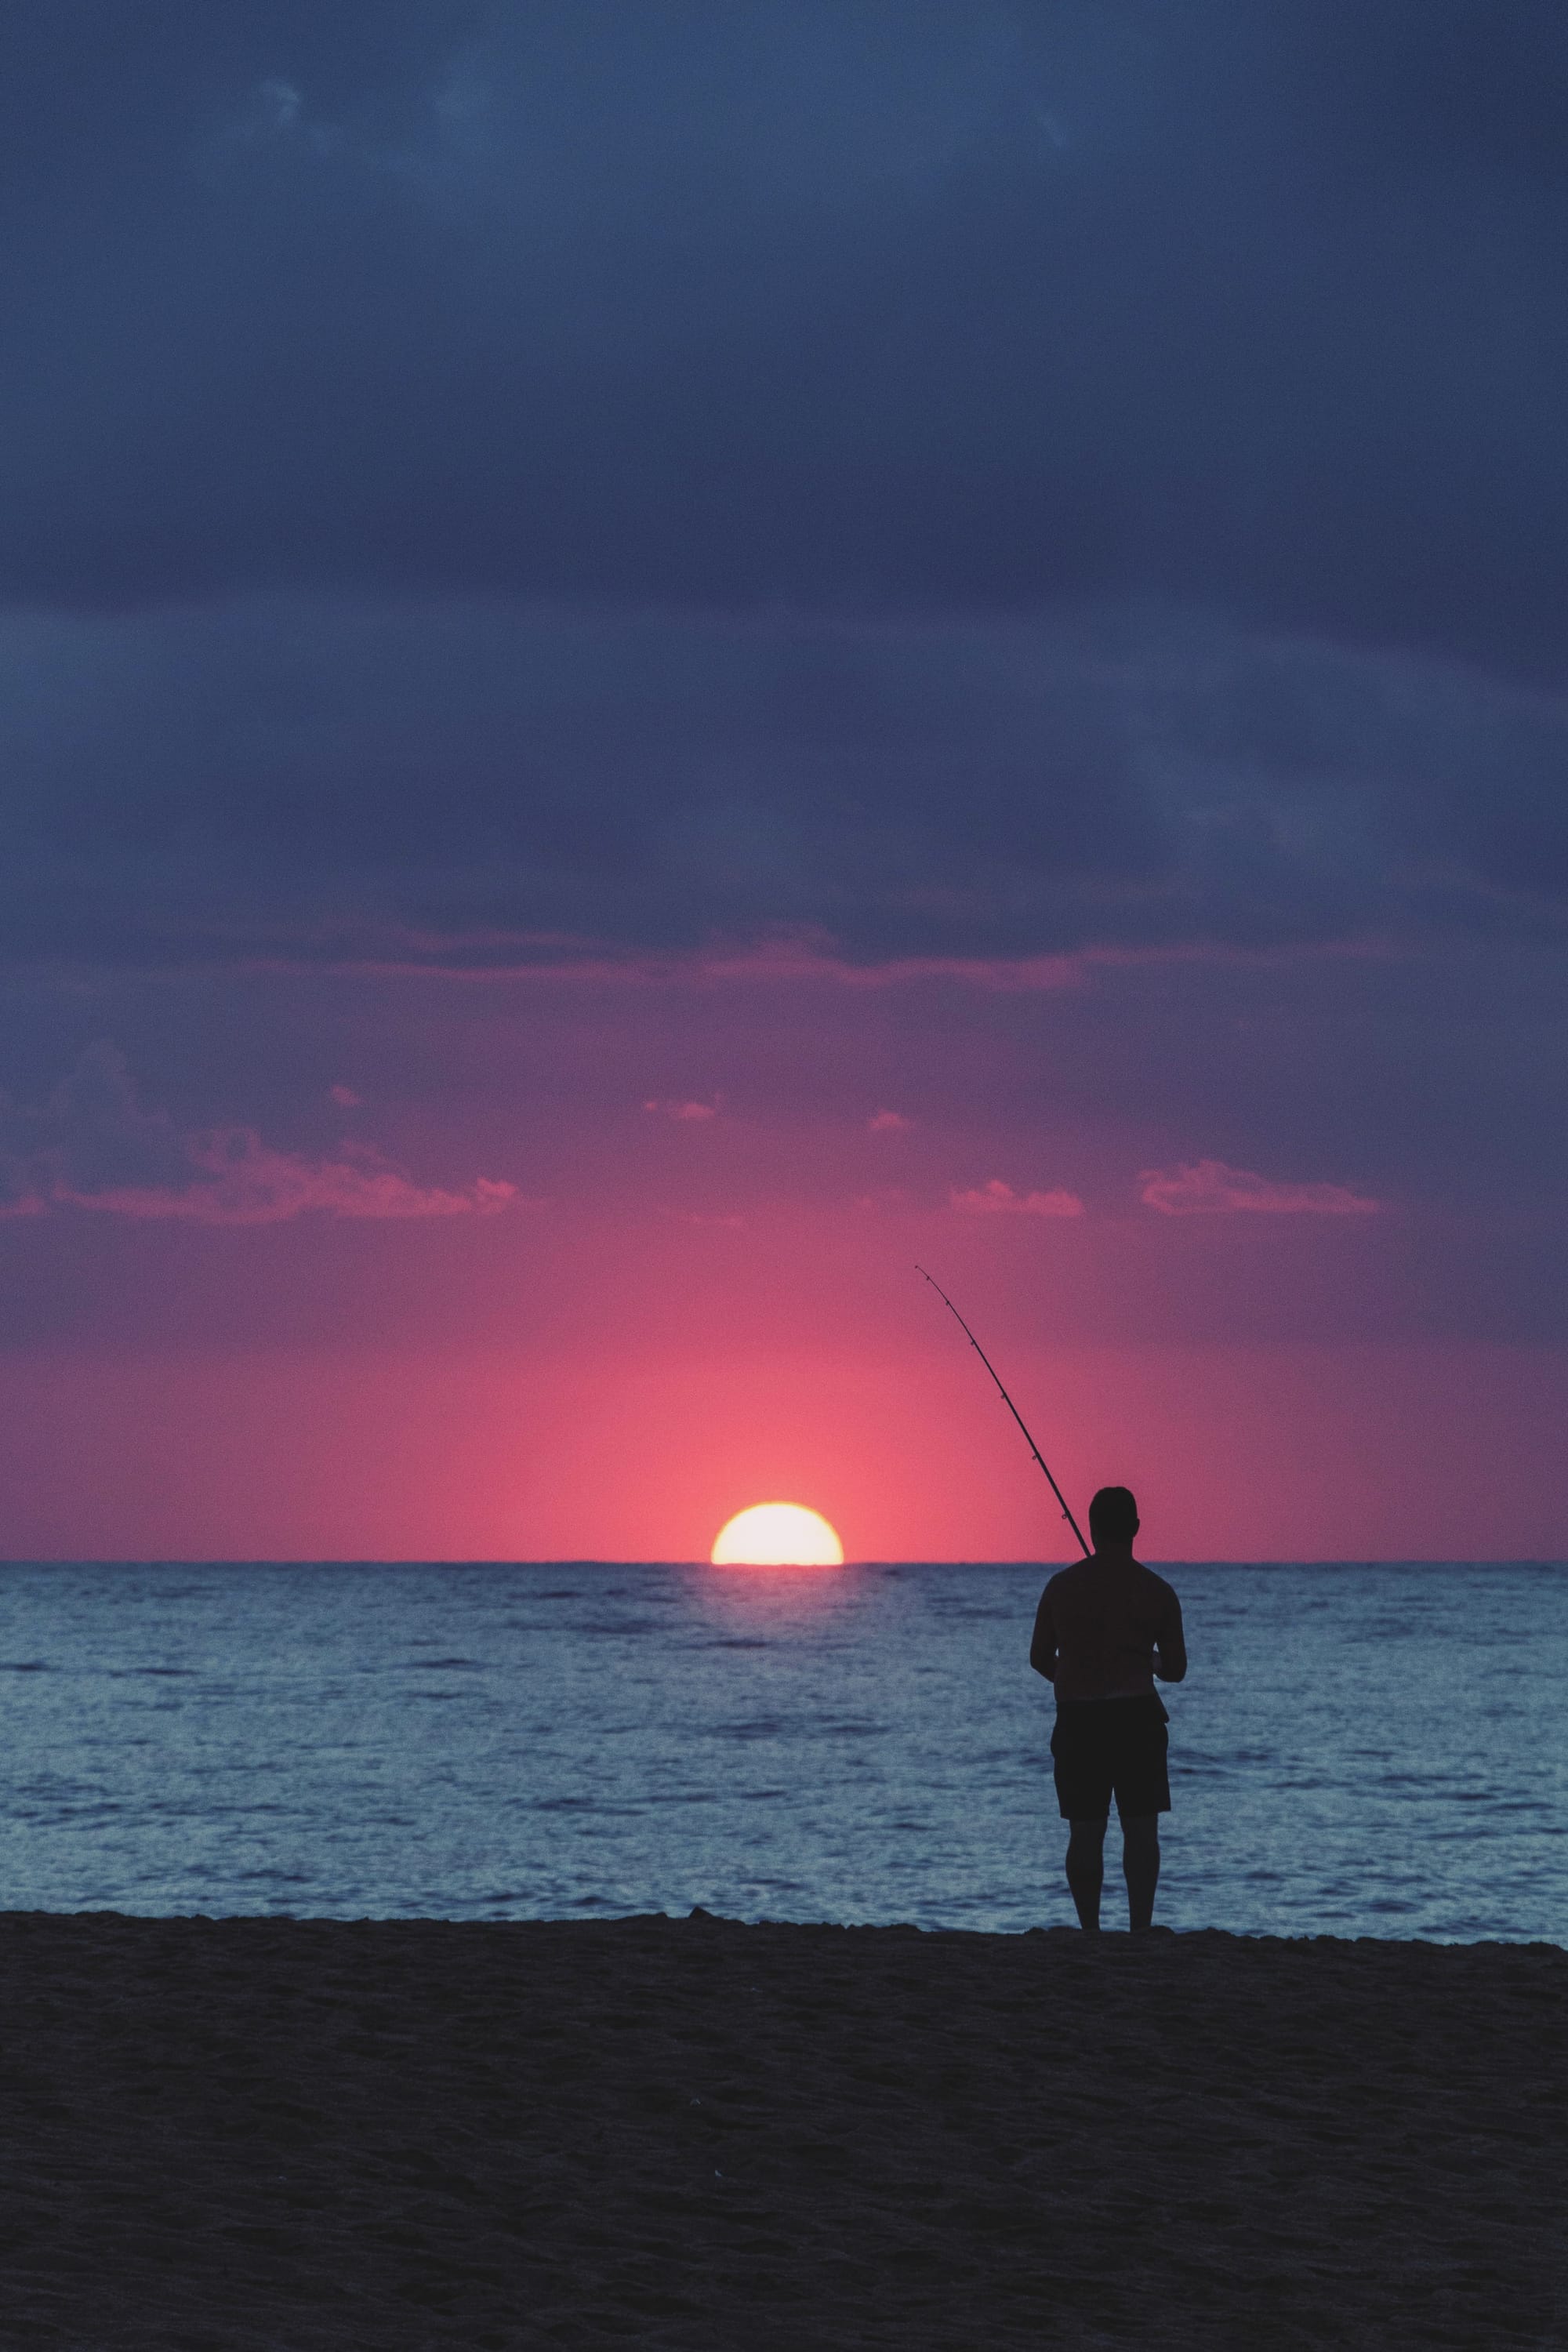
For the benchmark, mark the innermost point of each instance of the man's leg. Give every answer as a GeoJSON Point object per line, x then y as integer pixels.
{"type": "Point", "coordinates": [1140, 1864]}
{"type": "Point", "coordinates": [1085, 1869]}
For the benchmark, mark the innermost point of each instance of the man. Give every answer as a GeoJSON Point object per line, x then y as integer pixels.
{"type": "Point", "coordinates": [1104, 1629]}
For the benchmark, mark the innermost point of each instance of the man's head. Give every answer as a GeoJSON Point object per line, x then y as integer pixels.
{"type": "Point", "coordinates": [1113, 1518]}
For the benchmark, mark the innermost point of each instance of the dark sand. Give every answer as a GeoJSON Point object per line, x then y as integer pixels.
{"type": "Point", "coordinates": [691, 2134]}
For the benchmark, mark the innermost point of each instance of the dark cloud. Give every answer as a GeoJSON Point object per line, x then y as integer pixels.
{"type": "Point", "coordinates": [496, 483]}
{"type": "Point", "coordinates": [671, 301]}
{"type": "Point", "coordinates": [481, 786]}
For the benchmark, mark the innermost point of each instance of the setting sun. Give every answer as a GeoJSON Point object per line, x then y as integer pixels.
{"type": "Point", "coordinates": [777, 1534]}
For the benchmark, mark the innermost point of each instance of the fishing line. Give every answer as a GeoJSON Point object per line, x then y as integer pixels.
{"type": "Point", "coordinates": [1008, 1402]}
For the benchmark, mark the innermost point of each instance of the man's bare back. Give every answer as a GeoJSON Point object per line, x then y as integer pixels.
{"type": "Point", "coordinates": [1105, 1627]}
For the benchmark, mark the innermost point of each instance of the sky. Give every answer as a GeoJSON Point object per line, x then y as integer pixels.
{"type": "Point", "coordinates": [659, 656]}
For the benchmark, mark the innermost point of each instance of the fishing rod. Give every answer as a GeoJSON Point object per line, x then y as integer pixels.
{"type": "Point", "coordinates": [1008, 1402]}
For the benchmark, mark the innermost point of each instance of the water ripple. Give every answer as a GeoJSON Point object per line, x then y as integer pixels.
{"type": "Point", "coordinates": [1365, 1750]}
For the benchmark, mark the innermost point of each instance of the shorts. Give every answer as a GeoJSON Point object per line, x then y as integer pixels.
{"type": "Point", "coordinates": [1111, 1746]}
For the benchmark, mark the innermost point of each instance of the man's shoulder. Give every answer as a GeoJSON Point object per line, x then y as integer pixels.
{"type": "Point", "coordinates": [1072, 1579]}
{"type": "Point", "coordinates": [1159, 1582]}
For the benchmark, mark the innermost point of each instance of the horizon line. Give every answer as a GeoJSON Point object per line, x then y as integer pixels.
{"type": "Point", "coordinates": [499, 1559]}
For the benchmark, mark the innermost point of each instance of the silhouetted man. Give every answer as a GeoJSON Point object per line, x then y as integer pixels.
{"type": "Point", "coordinates": [1104, 1629]}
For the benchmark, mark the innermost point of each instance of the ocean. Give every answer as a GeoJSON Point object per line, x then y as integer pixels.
{"type": "Point", "coordinates": [1356, 1752]}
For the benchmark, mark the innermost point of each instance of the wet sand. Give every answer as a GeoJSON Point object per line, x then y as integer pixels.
{"type": "Point", "coordinates": [690, 2134]}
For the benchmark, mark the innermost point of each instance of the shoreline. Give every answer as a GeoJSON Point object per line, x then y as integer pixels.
{"type": "Point", "coordinates": [1112, 1931]}
{"type": "Point", "coordinates": [692, 2133]}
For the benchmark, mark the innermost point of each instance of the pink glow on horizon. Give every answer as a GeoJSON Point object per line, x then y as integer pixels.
{"type": "Point", "coordinates": [704, 1315]}
{"type": "Point", "coordinates": [1259, 1453]}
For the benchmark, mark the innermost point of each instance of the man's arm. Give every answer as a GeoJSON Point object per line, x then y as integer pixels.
{"type": "Point", "coordinates": [1170, 1645]}
{"type": "Point", "coordinates": [1043, 1648]}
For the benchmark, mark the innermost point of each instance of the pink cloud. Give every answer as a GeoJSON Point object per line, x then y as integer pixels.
{"type": "Point", "coordinates": [243, 1181]}
{"type": "Point", "coordinates": [1208, 1188]}
{"type": "Point", "coordinates": [998, 1200]}
{"type": "Point", "coordinates": [683, 1110]}
{"type": "Point", "coordinates": [94, 1146]}
{"type": "Point", "coordinates": [889, 1122]}
{"type": "Point", "coordinates": [345, 1097]}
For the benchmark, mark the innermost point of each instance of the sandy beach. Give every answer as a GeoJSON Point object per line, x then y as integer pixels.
{"type": "Point", "coordinates": [692, 2134]}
